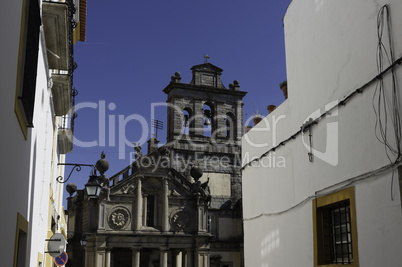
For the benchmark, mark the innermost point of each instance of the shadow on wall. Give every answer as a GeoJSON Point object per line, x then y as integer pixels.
{"type": "Point", "coordinates": [268, 245]}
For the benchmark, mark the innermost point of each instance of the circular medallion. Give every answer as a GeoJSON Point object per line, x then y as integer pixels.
{"type": "Point", "coordinates": [180, 220]}
{"type": "Point", "coordinates": [119, 218]}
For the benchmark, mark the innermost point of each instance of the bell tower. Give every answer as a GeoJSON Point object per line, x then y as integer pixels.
{"type": "Point", "coordinates": [204, 128]}
{"type": "Point", "coordinates": [204, 112]}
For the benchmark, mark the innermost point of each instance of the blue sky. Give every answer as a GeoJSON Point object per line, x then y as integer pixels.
{"type": "Point", "coordinates": [133, 47]}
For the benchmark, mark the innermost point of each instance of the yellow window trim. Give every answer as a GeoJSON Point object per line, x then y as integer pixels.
{"type": "Point", "coordinates": [19, 112]}
{"type": "Point", "coordinates": [77, 33]}
{"type": "Point", "coordinates": [348, 193]}
{"type": "Point", "coordinates": [22, 225]}
{"type": "Point", "coordinates": [40, 258]}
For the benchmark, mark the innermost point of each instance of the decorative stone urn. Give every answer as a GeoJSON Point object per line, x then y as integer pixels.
{"type": "Point", "coordinates": [271, 108]}
{"type": "Point", "coordinates": [284, 88]}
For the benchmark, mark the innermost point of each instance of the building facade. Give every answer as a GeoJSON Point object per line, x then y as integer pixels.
{"type": "Point", "coordinates": [321, 179]}
{"type": "Point", "coordinates": [179, 205]}
{"type": "Point", "coordinates": [36, 74]}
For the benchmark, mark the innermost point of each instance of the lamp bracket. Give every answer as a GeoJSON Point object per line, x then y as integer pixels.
{"type": "Point", "coordinates": [76, 166]}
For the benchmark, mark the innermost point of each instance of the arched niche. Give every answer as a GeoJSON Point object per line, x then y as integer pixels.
{"type": "Point", "coordinates": [188, 121]}
{"type": "Point", "coordinates": [230, 125]}
{"type": "Point", "coordinates": [208, 118]}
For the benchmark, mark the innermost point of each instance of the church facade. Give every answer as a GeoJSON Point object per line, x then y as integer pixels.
{"type": "Point", "coordinates": [180, 204]}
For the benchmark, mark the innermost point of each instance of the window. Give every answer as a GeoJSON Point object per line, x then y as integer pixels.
{"type": "Point", "coordinates": [27, 63]}
{"type": "Point", "coordinates": [21, 237]}
{"type": "Point", "coordinates": [150, 211]}
{"type": "Point", "coordinates": [335, 236]}
{"type": "Point", "coordinates": [212, 225]}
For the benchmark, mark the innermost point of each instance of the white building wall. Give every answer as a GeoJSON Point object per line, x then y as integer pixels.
{"type": "Point", "coordinates": [29, 166]}
{"type": "Point", "coordinates": [331, 49]}
{"type": "Point", "coordinates": [14, 158]}
{"type": "Point", "coordinates": [44, 159]}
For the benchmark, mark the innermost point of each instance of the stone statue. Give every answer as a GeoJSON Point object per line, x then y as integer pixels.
{"type": "Point", "coordinates": [102, 166]}
{"type": "Point", "coordinates": [205, 187]}
{"type": "Point", "coordinates": [202, 189]}
{"type": "Point", "coordinates": [137, 151]}
{"type": "Point", "coordinates": [105, 184]}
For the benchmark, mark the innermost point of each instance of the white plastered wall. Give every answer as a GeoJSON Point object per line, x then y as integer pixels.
{"type": "Point", "coordinates": [15, 149]}
{"type": "Point", "coordinates": [330, 52]}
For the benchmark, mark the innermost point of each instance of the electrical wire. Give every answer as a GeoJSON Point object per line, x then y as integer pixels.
{"type": "Point", "coordinates": [378, 78]}
{"type": "Point", "coordinates": [336, 188]}
{"type": "Point", "coordinates": [380, 108]}
{"type": "Point", "coordinates": [383, 109]}
{"type": "Point", "coordinates": [341, 103]}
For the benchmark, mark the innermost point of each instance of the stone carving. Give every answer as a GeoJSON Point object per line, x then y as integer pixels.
{"type": "Point", "coordinates": [137, 151]}
{"type": "Point", "coordinates": [201, 190]}
{"type": "Point", "coordinates": [176, 78]}
{"type": "Point", "coordinates": [164, 151]}
{"type": "Point", "coordinates": [174, 193]}
{"type": "Point", "coordinates": [105, 183]}
{"type": "Point", "coordinates": [50, 83]}
{"type": "Point", "coordinates": [102, 166]}
{"type": "Point", "coordinates": [119, 218]}
{"type": "Point", "coordinates": [180, 220]}
{"type": "Point", "coordinates": [128, 189]}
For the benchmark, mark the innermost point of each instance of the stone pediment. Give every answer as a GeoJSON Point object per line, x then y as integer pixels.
{"type": "Point", "coordinates": [207, 67]}
{"type": "Point", "coordinates": [178, 185]}
{"type": "Point", "coordinates": [151, 184]}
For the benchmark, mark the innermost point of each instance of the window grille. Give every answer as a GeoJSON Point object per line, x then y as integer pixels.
{"type": "Point", "coordinates": [336, 232]}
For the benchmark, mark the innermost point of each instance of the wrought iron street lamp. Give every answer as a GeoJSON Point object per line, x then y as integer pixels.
{"type": "Point", "coordinates": [84, 241]}
{"type": "Point", "coordinates": [93, 187]}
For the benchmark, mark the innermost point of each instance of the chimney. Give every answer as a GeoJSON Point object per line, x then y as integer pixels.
{"type": "Point", "coordinates": [284, 88]}
{"type": "Point", "coordinates": [271, 108]}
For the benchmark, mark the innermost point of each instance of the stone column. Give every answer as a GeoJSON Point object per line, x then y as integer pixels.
{"type": "Point", "coordinates": [185, 258]}
{"type": "Point", "coordinates": [89, 258]}
{"type": "Point", "coordinates": [202, 259]}
{"type": "Point", "coordinates": [239, 121]}
{"type": "Point", "coordinates": [101, 258]}
{"type": "Point", "coordinates": [107, 258]}
{"type": "Point", "coordinates": [165, 201]}
{"type": "Point", "coordinates": [189, 259]}
{"type": "Point", "coordinates": [144, 210]}
{"type": "Point", "coordinates": [198, 118]}
{"type": "Point", "coordinates": [178, 256]}
{"type": "Point", "coordinates": [163, 257]}
{"type": "Point", "coordinates": [177, 117]}
{"type": "Point", "coordinates": [206, 260]}
{"type": "Point", "coordinates": [136, 257]}
{"type": "Point", "coordinates": [90, 252]}
{"type": "Point", "coordinates": [220, 119]}
{"type": "Point", "coordinates": [139, 204]}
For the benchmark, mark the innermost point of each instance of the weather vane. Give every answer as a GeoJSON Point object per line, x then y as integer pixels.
{"type": "Point", "coordinates": [206, 58]}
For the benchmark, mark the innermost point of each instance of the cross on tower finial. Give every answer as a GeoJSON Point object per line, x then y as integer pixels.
{"type": "Point", "coordinates": [206, 58]}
